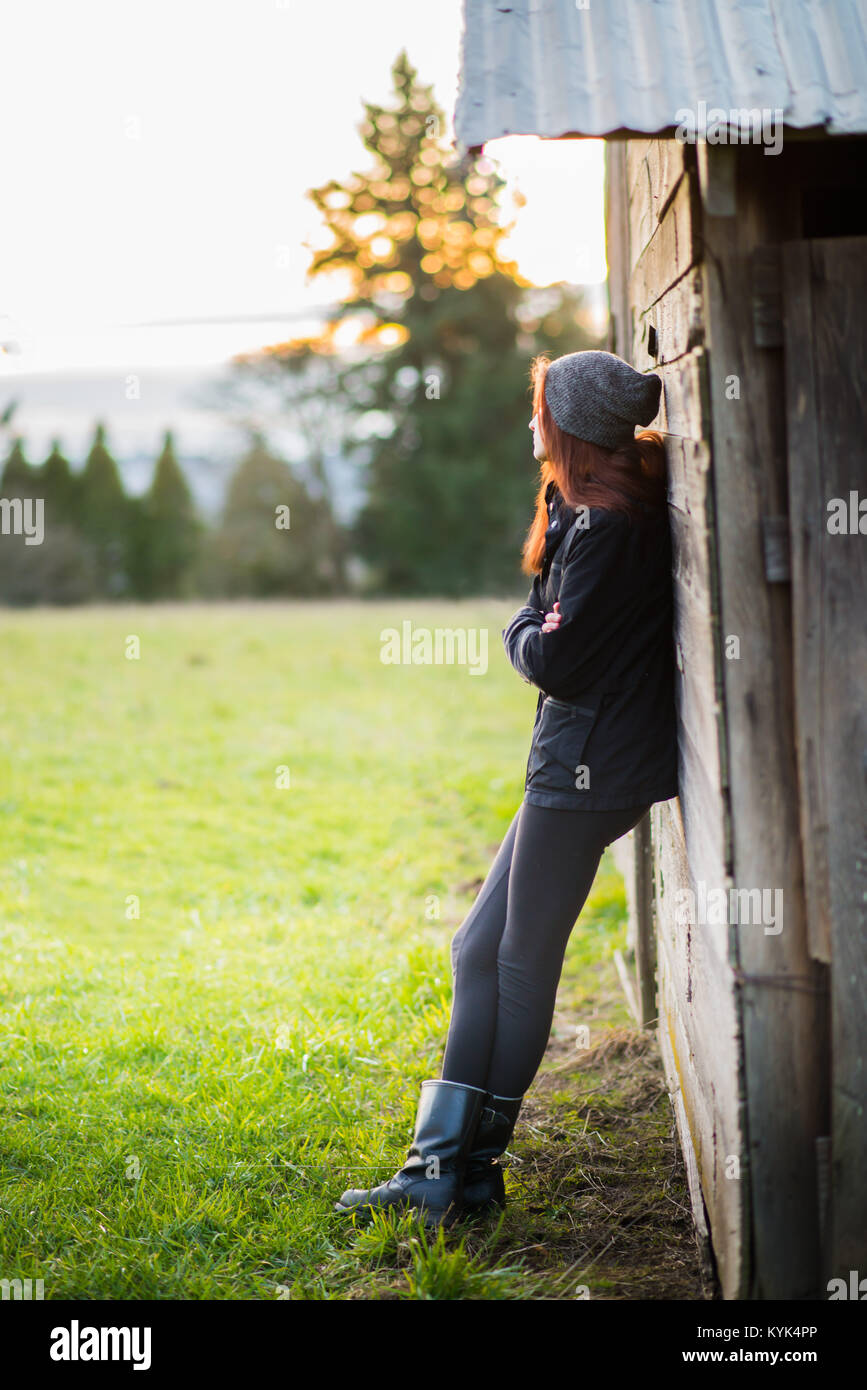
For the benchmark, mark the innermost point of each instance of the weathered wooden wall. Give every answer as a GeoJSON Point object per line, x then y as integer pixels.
{"type": "Point", "coordinates": [823, 290]}
{"type": "Point", "coordinates": [654, 248]}
{"type": "Point", "coordinates": [781, 991]}
{"type": "Point", "coordinates": [761, 352]}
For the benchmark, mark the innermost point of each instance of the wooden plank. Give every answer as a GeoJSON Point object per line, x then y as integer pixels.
{"type": "Point", "coordinates": [689, 834]}
{"type": "Point", "coordinates": [666, 164]}
{"type": "Point", "coordinates": [701, 1063]}
{"type": "Point", "coordinates": [680, 864]}
{"type": "Point", "coordinates": [676, 319]}
{"type": "Point", "coordinates": [704, 825]}
{"type": "Point", "coordinates": [767, 297]}
{"type": "Point", "coordinates": [683, 408]}
{"type": "Point", "coordinates": [653, 170]}
{"type": "Point", "coordinates": [698, 647]}
{"type": "Point", "coordinates": [807, 530]}
{"type": "Point", "coordinates": [705, 1146]}
{"type": "Point", "coordinates": [700, 713]}
{"type": "Point", "coordinates": [717, 178]}
{"type": "Point", "coordinates": [780, 1012]}
{"type": "Point", "coordinates": [672, 250]}
{"type": "Point", "coordinates": [688, 464]}
{"type": "Point", "coordinates": [659, 163]}
{"type": "Point", "coordinates": [645, 943]}
{"type": "Point", "coordinates": [701, 723]}
{"type": "Point", "coordinates": [689, 1069]}
{"type": "Point", "coordinates": [706, 989]}
{"type": "Point", "coordinates": [698, 1024]}
{"type": "Point", "coordinates": [691, 562]}
{"type": "Point", "coordinates": [623, 854]}
{"type": "Point", "coordinates": [642, 223]}
{"type": "Point", "coordinates": [703, 979]}
{"type": "Point", "coordinates": [616, 248]}
{"type": "Point", "coordinates": [693, 1177]}
{"type": "Point", "coordinates": [633, 855]}
{"type": "Point", "coordinates": [825, 286]}
{"type": "Point", "coordinates": [636, 162]}
{"type": "Point", "coordinates": [698, 955]}
{"type": "Point", "coordinates": [625, 974]}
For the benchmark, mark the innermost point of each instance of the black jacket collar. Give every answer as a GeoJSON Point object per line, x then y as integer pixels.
{"type": "Point", "coordinates": [559, 516]}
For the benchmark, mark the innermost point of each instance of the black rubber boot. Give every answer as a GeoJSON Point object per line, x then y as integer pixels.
{"type": "Point", "coordinates": [483, 1176]}
{"type": "Point", "coordinates": [431, 1180]}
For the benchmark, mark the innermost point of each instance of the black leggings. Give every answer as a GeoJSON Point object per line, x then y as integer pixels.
{"type": "Point", "coordinates": [507, 955]}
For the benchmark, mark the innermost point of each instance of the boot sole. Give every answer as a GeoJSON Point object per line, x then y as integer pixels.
{"type": "Point", "coordinates": [429, 1218]}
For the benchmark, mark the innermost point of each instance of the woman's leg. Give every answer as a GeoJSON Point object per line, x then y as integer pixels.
{"type": "Point", "coordinates": [554, 861]}
{"type": "Point", "coordinates": [474, 966]}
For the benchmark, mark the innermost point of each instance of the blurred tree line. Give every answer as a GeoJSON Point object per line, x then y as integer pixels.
{"type": "Point", "coordinates": [99, 543]}
{"type": "Point", "coordinates": [419, 379]}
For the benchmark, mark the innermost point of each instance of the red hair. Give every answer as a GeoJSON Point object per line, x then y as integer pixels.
{"type": "Point", "coordinates": [587, 475]}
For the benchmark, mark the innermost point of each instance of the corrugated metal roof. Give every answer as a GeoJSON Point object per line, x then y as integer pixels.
{"type": "Point", "coordinates": [546, 67]}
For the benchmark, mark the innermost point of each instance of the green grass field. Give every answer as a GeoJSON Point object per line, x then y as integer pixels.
{"type": "Point", "coordinates": [219, 993]}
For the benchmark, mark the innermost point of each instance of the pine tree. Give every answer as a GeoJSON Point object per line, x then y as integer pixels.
{"type": "Point", "coordinates": [165, 531]}
{"type": "Point", "coordinates": [449, 492]}
{"type": "Point", "coordinates": [60, 569]}
{"type": "Point", "coordinates": [105, 516]}
{"type": "Point", "coordinates": [420, 221]}
{"type": "Point", "coordinates": [444, 331]}
{"type": "Point", "coordinates": [309, 386]}
{"type": "Point", "coordinates": [19, 477]}
{"type": "Point", "coordinates": [59, 487]}
{"type": "Point", "coordinates": [271, 539]}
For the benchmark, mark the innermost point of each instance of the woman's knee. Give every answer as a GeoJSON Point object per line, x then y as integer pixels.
{"type": "Point", "coordinates": [472, 954]}
{"type": "Point", "coordinates": [525, 986]}
{"type": "Point", "coordinates": [474, 944]}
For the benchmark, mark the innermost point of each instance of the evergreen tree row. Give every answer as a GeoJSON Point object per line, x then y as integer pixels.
{"type": "Point", "coordinates": [99, 543]}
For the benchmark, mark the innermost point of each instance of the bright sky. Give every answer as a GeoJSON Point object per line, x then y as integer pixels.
{"type": "Point", "coordinates": [155, 158]}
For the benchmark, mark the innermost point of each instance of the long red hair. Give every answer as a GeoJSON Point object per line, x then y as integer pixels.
{"type": "Point", "coordinates": [587, 475]}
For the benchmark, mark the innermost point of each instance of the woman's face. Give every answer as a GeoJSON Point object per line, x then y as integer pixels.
{"type": "Point", "coordinates": [538, 441]}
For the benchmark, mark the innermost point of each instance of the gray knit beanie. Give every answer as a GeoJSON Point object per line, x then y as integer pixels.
{"type": "Point", "coordinates": [599, 397]}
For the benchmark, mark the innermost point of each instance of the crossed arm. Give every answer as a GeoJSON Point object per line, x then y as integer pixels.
{"type": "Point", "coordinates": [555, 650]}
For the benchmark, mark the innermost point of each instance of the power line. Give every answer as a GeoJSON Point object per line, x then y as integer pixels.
{"type": "Point", "coordinates": [321, 310]}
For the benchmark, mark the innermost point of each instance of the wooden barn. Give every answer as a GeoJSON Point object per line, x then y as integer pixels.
{"type": "Point", "coordinates": [737, 252]}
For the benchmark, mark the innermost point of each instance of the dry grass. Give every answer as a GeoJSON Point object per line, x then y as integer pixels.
{"type": "Point", "coordinates": [596, 1174]}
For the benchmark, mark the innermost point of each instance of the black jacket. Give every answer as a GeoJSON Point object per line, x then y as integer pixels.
{"type": "Point", "coordinates": [605, 735]}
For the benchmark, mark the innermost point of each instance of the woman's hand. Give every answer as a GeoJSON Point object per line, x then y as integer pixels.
{"type": "Point", "coordinates": [552, 620]}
